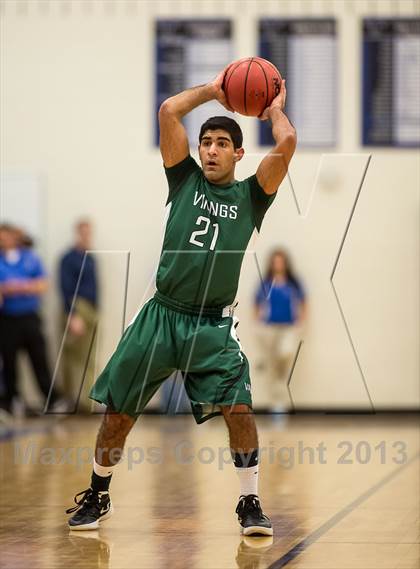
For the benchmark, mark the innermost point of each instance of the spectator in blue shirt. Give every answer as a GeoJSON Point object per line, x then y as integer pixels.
{"type": "Point", "coordinates": [23, 281]}
{"type": "Point", "coordinates": [280, 309]}
{"type": "Point", "coordinates": [79, 293]}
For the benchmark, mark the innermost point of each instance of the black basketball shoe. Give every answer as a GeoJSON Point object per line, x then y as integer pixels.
{"type": "Point", "coordinates": [91, 508]}
{"type": "Point", "coordinates": [251, 517]}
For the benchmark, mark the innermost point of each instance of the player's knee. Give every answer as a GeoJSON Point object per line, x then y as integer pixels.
{"type": "Point", "coordinates": [120, 421]}
{"type": "Point", "coordinates": [235, 413]}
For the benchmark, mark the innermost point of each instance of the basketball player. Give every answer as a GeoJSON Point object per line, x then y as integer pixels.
{"type": "Point", "coordinates": [189, 325]}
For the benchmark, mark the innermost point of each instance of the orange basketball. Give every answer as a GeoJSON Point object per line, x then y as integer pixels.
{"type": "Point", "coordinates": [250, 85]}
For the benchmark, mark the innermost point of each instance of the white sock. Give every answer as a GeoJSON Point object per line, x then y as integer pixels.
{"type": "Point", "coordinates": [103, 471]}
{"type": "Point", "coordinates": [248, 479]}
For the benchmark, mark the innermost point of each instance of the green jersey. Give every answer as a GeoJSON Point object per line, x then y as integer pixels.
{"type": "Point", "coordinates": [207, 232]}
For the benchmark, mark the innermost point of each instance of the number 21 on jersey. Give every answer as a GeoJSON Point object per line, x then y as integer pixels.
{"type": "Point", "coordinates": [206, 221]}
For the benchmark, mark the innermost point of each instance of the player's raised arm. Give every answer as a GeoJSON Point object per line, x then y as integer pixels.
{"type": "Point", "coordinates": [173, 136]}
{"type": "Point", "coordinates": [273, 167]}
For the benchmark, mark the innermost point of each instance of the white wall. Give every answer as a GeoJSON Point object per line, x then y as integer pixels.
{"type": "Point", "coordinates": [77, 109]}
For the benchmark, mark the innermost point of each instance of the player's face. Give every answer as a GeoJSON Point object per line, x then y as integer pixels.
{"type": "Point", "coordinates": [218, 156]}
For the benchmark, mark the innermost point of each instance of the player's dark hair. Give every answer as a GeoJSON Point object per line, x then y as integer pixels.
{"type": "Point", "coordinates": [223, 123]}
{"type": "Point", "coordinates": [290, 274]}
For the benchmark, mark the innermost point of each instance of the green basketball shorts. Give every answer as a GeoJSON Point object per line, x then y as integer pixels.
{"type": "Point", "coordinates": [167, 336]}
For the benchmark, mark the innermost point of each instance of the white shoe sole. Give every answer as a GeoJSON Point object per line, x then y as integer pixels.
{"type": "Point", "coordinates": [93, 525]}
{"type": "Point", "coordinates": [257, 530]}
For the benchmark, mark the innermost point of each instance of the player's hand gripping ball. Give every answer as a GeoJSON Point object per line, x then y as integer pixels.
{"type": "Point", "coordinates": [250, 85]}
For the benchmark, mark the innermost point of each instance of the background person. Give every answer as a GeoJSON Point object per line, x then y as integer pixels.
{"type": "Point", "coordinates": [79, 292]}
{"type": "Point", "coordinates": [23, 281]}
{"type": "Point", "coordinates": [280, 308]}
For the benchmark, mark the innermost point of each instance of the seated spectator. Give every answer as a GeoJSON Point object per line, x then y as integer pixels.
{"type": "Point", "coordinates": [280, 308]}
{"type": "Point", "coordinates": [23, 281]}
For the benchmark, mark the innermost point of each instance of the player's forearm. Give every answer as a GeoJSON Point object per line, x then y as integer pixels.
{"type": "Point", "coordinates": [284, 133]}
{"type": "Point", "coordinates": [183, 103]}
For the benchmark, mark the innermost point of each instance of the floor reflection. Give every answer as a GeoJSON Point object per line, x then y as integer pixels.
{"type": "Point", "coordinates": [92, 547]}
{"type": "Point", "coordinates": [252, 552]}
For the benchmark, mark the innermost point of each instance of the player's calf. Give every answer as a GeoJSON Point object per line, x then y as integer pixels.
{"type": "Point", "coordinates": [94, 505]}
{"type": "Point", "coordinates": [244, 448]}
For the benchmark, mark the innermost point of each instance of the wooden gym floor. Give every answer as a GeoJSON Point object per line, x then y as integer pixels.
{"type": "Point", "coordinates": [350, 500]}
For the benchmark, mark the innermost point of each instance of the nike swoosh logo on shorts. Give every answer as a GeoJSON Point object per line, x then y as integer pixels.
{"type": "Point", "coordinates": [223, 325]}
